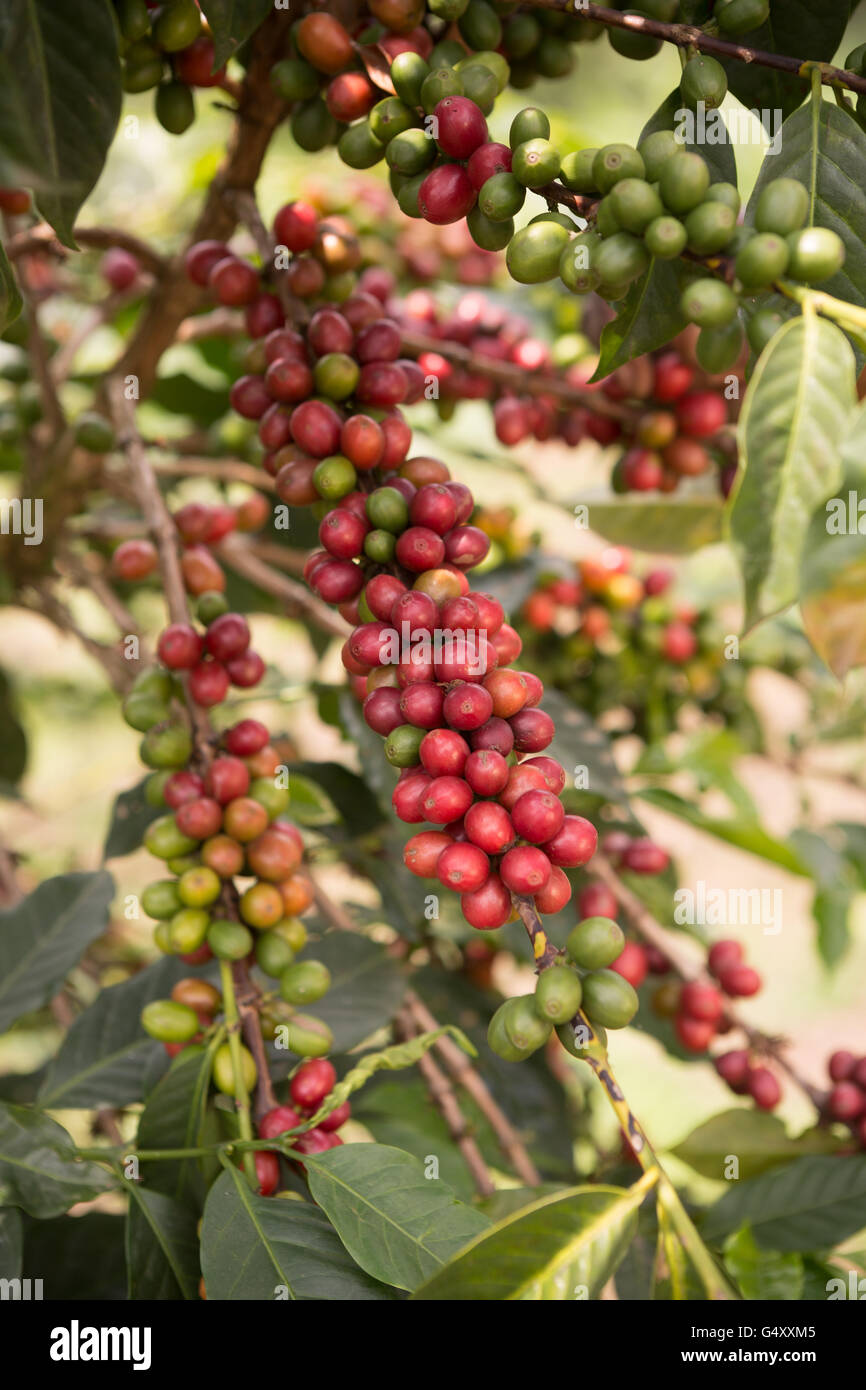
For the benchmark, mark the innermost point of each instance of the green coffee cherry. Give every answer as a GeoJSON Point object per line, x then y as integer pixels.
{"type": "Point", "coordinates": [815, 254]}
{"type": "Point", "coordinates": [168, 1021]}
{"type": "Point", "coordinates": [223, 1070]}
{"type": "Point", "coordinates": [390, 117]}
{"type": "Point", "coordinates": [379, 546]}
{"type": "Point", "coordinates": [292, 930]}
{"type": "Point", "coordinates": [334, 477]}
{"type": "Point", "coordinates": [188, 930]}
{"type": "Point", "coordinates": [523, 1026]}
{"type": "Point", "coordinates": [210, 606]}
{"type": "Point", "coordinates": [529, 124]}
{"type": "Point", "coordinates": [558, 994]}
{"type": "Point", "coordinates": [608, 999]}
{"type": "Point", "coordinates": [273, 953]}
{"type": "Point", "coordinates": [142, 711]}
{"type": "Point", "coordinates": [704, 80]}
{"type": "Point", "coordinates": [616, 162]}
{"type": "Point", "coordinates": [408, 192]}
{"type": "Point", "coordinates": [154, 789]}
{"type": "Point", "coordinates": [305, 982]}
{"type": "Point", "coordinates": [199, 887]}
{"type": "Point", "coordinates": [684, 181]}
{"type": "Point", "coordinates": [229, 940]}
{"type": "Point", "coordinates": [359, 147]}
{"type": "Point", "coordinates": [294, 80]}
{"type": "Point", "coordinates": [388, 510]}
{"type": "Point", "coordinates": [605, 218]}
{"type": "Point", "coordinates": [565, 1033]}
{"type": "Point", "coordinates": [521, 34]}
{"type": "Point", "coordinates": [635, 204]}
{"type": "Point", "coordinates": [480, 25]}
{"type": "Point", "coordinates": [439, 83]}
{"type": "Point", "coordinates": [709, 303]}
{"type": "Point", "coordinates": [533, 252]}
{"type": "Point", "coordinates": [133, 18]}
{"type": "Point", "coordinates": [94, 433]}
{"type": "Point", "coordinates": [178, 864]}
{"type": "Point", "coordinates": [741, 16]}
{"type": "Point", "coordinates": [725, 193]}
{"type": "Point", "coordinates": [402, 744]}
{"type": "Point", "coordinates": [535, 163]}
{"type": "Point", "coordinates": [761, 327]}
{"type": "Point", "coordinates": [175, 107]}
{"type": "Point", "coordinates": [410, 152]}
{"type": "Point", "coordinates": [620, 259]}
{"type": "Point", "coordinates": [312, 125]}
{"type": "Point", "coordinates": [408, 72]}
{"type": "Point", "coordinates": [276, 800]}
{"type": "Point", "coordinates": [576, 171]}
{"type": "Point", "coordinates": [142, 68]}
{"type": "Point", "coordinates": [499, 1041]}
{"type": "Point", "coordinates": [782, 207]}
{"type": "Point", "coordinates": [717, 349]}
{"type": "Point", "coordinates": [166, 745]}
{"type": "Point", "coordinates": [177, 25]}
{"type": "Point", "coordinates": [501, 196]}
{"type": "Point", "coordinates": [575, 263]}
{"type": "Point", "coordinates": [762, 260]}
{"type": "Point", "coordinates": [447, 9]}
{"type": "Point", "coordinates": [595, 942]}
{"type": "Point", "coordinates": [709, 228]}
{"type": "Point", "coordinates": [490, 59]}
{"type": "Point", "coordinates": [489, 235]}
{"type": "Point", "coordinates": [446, 54]}
{"type": "Point", "coordinates": [631, 44]}
{"type": "Point", "coordinates": [336, 375]}
{"type": "Point", "coordinates": [308, 1036]}
{"type": "Point", "coordinates": [665, 238]}
{"type": "Point", "coordinates": [655, 150]}
{"type": "Point", "coordinates": [161, 899]}
{"type": "Point", "coordinates": [480, 85]}
{"type": "Point", "coordinates": [164, 841]}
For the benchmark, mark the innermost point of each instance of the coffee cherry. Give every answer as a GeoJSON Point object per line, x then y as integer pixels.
{"type": "Point", "coordinates": [764, 1088]}
{"type": "Point", "coordinates": [694, 1034]}
{"type": "Point", "coordinates": [573, 844]}
{"type": "Point", "coordinates": [312, 1082]}
{"type": "Point", "coordinates": [489, 906]}
{"type": "Point", "coordinates": [815, 254]}
{"type": "Point", "coordinates": [525, 870]}
{"type": "Point", "coordinates": [596, 900]}
{"type": "Point", "coordinates": [595, 943]}
{"type": "Point", "coordinates": [223, 1070]}
{"type": "Point", "coordinates": [198, 995]}
{"type": "Point", "coordinates": [305, 982]}
{"type": "Point", "coordinates": [463, 867]}
{"type": "Point", "coordinates": [737, 17]}
{"type": "Point", "coordinates": [229, 940]}
{"type": "Point", "coordinates": [277, 1121]}
{"type": "Point", "coordinates": [734, 1068]}
{"type": "Point", "coordinates": [169, 1021]}
{"type": "Point", "coordinates": [608, 999]}
{"type": "Point", "coordinates": [723, 955]}
{"type": "Point", "coordinates": [632, 963]}
{"type": "Point", "coordinates": [840, 1066]}
{"type": "Point", "coordinates": [703, 79]}
{"type": "Point", "coordinates": [558, 994]}
{"type": "Point", "coordinates": [421, 853]}
{"type": "Point", "coordinates": [846, 1101]}
{"type": "Point", "coordinates": [739, 980]}
{"type": "Point", "coordinates": [763, 259]}
{"type": "Point", "coordinates": [701, 1001]}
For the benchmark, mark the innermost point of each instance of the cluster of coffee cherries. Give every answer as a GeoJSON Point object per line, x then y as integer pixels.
{"type": "Point", "coordinates": [334, 94]}
{"type": "Point", "coordinates": [201, 526]}
{"type": "Point", "coordinates": [167, 47]}
{"type": "Point", "coordinates": [309, 1088]}
{"type": "Point", "coordinates": [846, 1102]}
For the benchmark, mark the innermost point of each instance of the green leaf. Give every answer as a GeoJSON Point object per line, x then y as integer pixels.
{"type": "Point", "coordinates": [174, 1116]}
{"type": "Point", "coordinates": [38, 1167]}
{"type": "Point", "coordinates": [647, 318]}
{"type": "Point", "coordinates": [367, 986]}
{"type": "Point", "coordinates": [45, 935]}
{"type": "Point", "coordinates": [270, 1247]}
{"type": "Point", "coordinates": [675, 526]}
{"type": "Point", "coordinates": [11, 1243]}
{"type": "Point", "coordinates": [758, 1140]}
{"type": "Point", "coordinates": [792, 424]}
{"type": "Point", "coordinates": [764, 1274]}
{"type": "Point", "coordinates": [77, 1257]}
{"type": "Point", "coordinates": [11, 302]}
{"type": "Point", "coordinates": [232, 21]}
{"type": "Point", "coordinates": [564, 1246]}
{"type": "Point", "coordinates": [347, 791]}
{"type": "Point", "coordinates": [130, 817]}
{"type": "Point", "coordinates": [161, 1246]}
{"type": "Point", "coordinates": [750, 837]}
{"type": "Point", "coordinates": [106, 1057]}
{"type": "Point", "coordinates": [810, 1204]}
{"type": "Point", "coordinates": [397, 1223]}
{"type": "Point", "coordinates": [831, 910]}
{"type": "Point", "coordinates": [825, 149]}
{"type": "Point", "coordinates": [833, 587]}
{"type": "Point", "coordinates": [60, 96]}
{"type": "Point", "coordinates": [800, 30]}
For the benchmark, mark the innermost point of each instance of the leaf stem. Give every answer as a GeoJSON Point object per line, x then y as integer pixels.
{"type": "Point", "coordinates": [242, 1100]}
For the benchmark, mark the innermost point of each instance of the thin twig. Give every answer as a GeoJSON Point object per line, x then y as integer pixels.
{"type": "Point", "coordinates": [43, 238]}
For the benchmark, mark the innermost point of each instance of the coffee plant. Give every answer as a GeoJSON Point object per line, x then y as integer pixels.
{"type": "Point", "coordinates": [390, 981]}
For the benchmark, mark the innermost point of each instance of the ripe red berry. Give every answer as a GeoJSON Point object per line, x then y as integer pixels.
{"type": "Point", "coordinates": [228, 636]}
{"type": "Point", "coordinates": [134, 560]}
{"type": "Point", "coordinates": [485, 161]}
{"type": "Point", "coordinates": [209, 683]}
{"type": "Point", "coordinates": [448, 799]}
{"type": "Point", "coordinates": [408, 796]}
{"type": "Point", "coordinates": [250, 397]}
{"type": "Point", "coordinates": [734, 1068]}
{"type": "Point", "coordinates": [461, 126]}
{"type": "Point", "coordinates": [421, 704]}
{"type": "Point", "coordinates": [246, 670]}
{"type": "Point", "coordinates": [278, 1120]}
{"type": "Point", "coordinates": [740, 980]}
{"type": "Point", "coordinates": [246, 737]}
{"type": "Point", "coordinates": [701, 1001]}
{"type": "Point", "coordinates": [574, 844]}
{"type": "Point", "coordinates": [645, 857]}
{"type": "Point", "coordinates": [467, 706]}
{"type": "Point", "coordinates": [525, 870]}
{"type": "Point", "coordinates": [555, 894]}
{"type": "Point", "coordinates": [119, 268]}
{"type": "Point", "coordinates": [181, 787]}
{"type": "Point", "coordinates": [764, 1088]}
{"type": "Point", "coordinates": [701, 414]}
{"type": "Point", "coordinates": [463, 867]}
{"type": "Point", "coordinates": [342, 533]}
{"type": "Point", "coordinates": [694, 1034]}
{"type": "Point", "coordinates": [723, 955]}
{"type": "Point", "coordinates": [538, 816]}
{"type": "Point", "coordinates": [313, 1080]}
{"type": "Point", "coordinates": [296, 226]}
{"type": "Point", "coordinates": [632, 963]}
{"type": "Point", "coordinates": [679, 642]}
{"type": "Point", "coordinates": [267, 1171]}
{"type": "Point", "coordinates": [486, 772]}
{"type": "Point", "coordinates": [446, 194]}
{"type": "Point", "coordinates": [533, 730]}
{"type": "Point", "coordinates": [336, 1119]}
{"type": "Point", "coordinates": [421, 853]}
{"type": "Point", "coordinates": [201, 258]}
{"type": "Point", "coordinates": [419, 548]}
{"type": "Point", "coordinates": [846, 1101]}
{"type": "Point", "coordinates": [672, 377]}
{"type": "Point", "coordinates": [227, 778]}
{"type": "Point", "coordinates": [596, 900]}
{"type": "Point", "coordinates": [489, 826]}
{"type": "Point", "coordinates": [234, 282]}
{"type": "Point", "coordinates": [489, 906]}
{"type": "Point", "coordinates": [496, 736]}
{"type": "Point", "coordinates": [200, 818]}
{"type": "Point", "coordinates": [841, 1065]}
{"type": "Point", "coordinates": [179, 647]}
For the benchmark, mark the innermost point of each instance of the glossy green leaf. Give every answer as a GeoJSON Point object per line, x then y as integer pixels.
{"type": "Point", "coordinates": [794, 419]}
{"type": "Point", "coordinates": [106, 1057]}
{"type": "Point", "coordinates": [825, 148]}
{"type": "Point", "coordinates": [763, 1274]}
{"type": "Point", "coordinates": [161, 1246]}
{"type": "Point", "coordinates": [77, 1257]}
{"type": "Point", "coordinates": [38, 1167]}
{"type": "Point", "coordinates": [173, 1118]}
{"type": "Point", "coordinates": [759, 1141]}
{"type": "Point", "coordinates": [397, 1220]}
{"type": "Point", "coordinates": [800, 29]}
{"type": "Point", "coordinates": [45, 935]}
{"type": "Point", "coordinates": [563, 1247]}
{"type": "Point", "coordinates": [647, 318]}
{"type": "Point", "coordinates": [810, 1204]}
{"type": "Point", "coordinates": [232, 21]}
{"type": "Point", "coordinates": [60, 97]}
{"type": "Point", "coordinates": [265, 1248]}
{"type": "Point", "coordinates": [348, 792]}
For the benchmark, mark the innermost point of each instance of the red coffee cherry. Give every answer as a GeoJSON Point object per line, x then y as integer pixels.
{"type": "Point", "coordinates": [201, 258]}
{"type": "Point", "coordinates": [119, 268]}
{"type": "Point", "coordinates": [846, 1101]}
{"type": "Point", "coordinates": [463, 867]}
{"type": "Point", "coordinates": [552, 772]}
{"type": "Point", "coordinates": [645, 857]}
{"type": "Point", "coordinates": [278, 1120]}
{"type": "Point", "coordinates": [632, 963]}
{"type": "Point", "coordinates": [488, 825]}
{"type": "Point", "coordinates": [486, 772]}
{"type": "Point", "coordinates": [555, 894]}
{"type": "Point", "coordinates": [209, 683]}
{"type": "Point", "coordinates": [574, 844]}
{"type": "Point", "coordinates": [764, 1088]}
{"type": "Point", "coordinates": [446, 194]}
{"type": "Point", "coordinates": [246, 737]}
{"type": "Point", "coordinates": [679, 642]}
{"type": "Point", "coordinates": [336, 1119]}
{"type": "Point", "coordinates": [734, 1068]}
{"type": "Point", "coordinates": [134, 560]}
{"type": "Point", "coordinates": [694, 1034]}
{"type": "Point", "coordinates": [462, 127]}
{"type": "Point", "coordinates": [227, 778]}
{"type": "Point", "coordinates": [841, 1065]}
{"type": "Point", "coordinates": [382, 710]}
{"type": "Point", "coordinates": [701, 414]}
{"type": "Point", "coordinates": [181, 787]}
{"type": "Point", "coordinates": [467, 706]}
{"type": "Point", "coordinates": [421, 704]}
{"type": "Point", "coordinates": [250, 397]}
{"type": "Point", "coordinates": [489, 906]}
{"type": "Point", "coordinates": [267, 1171]}
{"type": "Point", "coordinates": [296, 226]}
{"type": "Point", "coordinates": [228, 636]}
{"type": "Point", "coordinates": [179, 647]}
{"type": "Point", "coordinates": [672, 377]}
{"type": "Point", "coordinates": [538, 816]}
{"type": "Point", "coordinates": [596, 900]}
{"type": "Point", "coordinates": [525, 870]}
{"type": "Point", "coordinates": [724, 955]}
{"type": "Point", "coordinates": [701, 1001]}
{"type": "Point", "coordinates": [533, 730]}
{"type": "Point", "coordinates": [200, 818]}
{"type": "Point", "coordinates": [740, 981]}
{"type": "Point", "coordinates": [246, 670]}
{"type": "Point", "coordinates": [448, 799]}
{"type": "Point", "coordinates": [313, 1080]}
{"type": "Point", "coordinates": [408, 797]}
{"type": "Point", "coordinates": [421, 853]}
{"type": "Point", "coordinates": [234, 282]}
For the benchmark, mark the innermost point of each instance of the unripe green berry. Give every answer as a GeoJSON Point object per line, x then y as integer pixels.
{"type": "Point", "coordinates": [684, 181]}
{"type": "Point", "coordinates": [523, 1025]}
{"type": "Point", "coordinates": [188, 929]}
{"type": "Point", "coordinates": [576, 171]}
{"type": "Point", "coordinates": [665, 238]}
{"type": "Point", "coordinates": [229, 940]}
{"type": "Point", "coordinates": [595, 942]}
{"type": "Point", "coordinates": [616, 162]}
{"type": "Point", "coordinates": [709, 303]}
{"type": "Point", "coordinates": [558, 994]}
{"type": "Point", "coordinates": [168, 1021]}
{"type": "Point", "coordinates": [709, 228]}
{"type": "Point", "coordinates": [782, 207]}
{"type": "Point", "coordinates": [305, 982]}
{"type": "Point", "coordinates": [816, 253]}
{"type": "Point", "coordinates": [655, 150]}
{"type": "Point", "coordinates": [717, 349]}
{"type": "Point", "coordinates": [534, 251]}
{"type": "Point", "coordinates": [620, 259]}
{"type": "Point", "coordinates": [704, 79]}
{"type": "Point", "coordinates": [609, 999]}
{"type": "Point", "coordinates": [762, 260]}
{"type": "Point", "coordinates": [529, 124]}
{"type": "Point", "coordinates": [535, 163]}
{"type": "Point", "coordinates": [635, 204]}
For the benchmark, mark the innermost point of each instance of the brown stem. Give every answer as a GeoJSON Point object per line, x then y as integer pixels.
{"type": "Point", "coordinates": [42, 238]}
{"type": "Point", "coordinates": [443, 1097]}
{"type": "Point", "coordinates": [688, 36]}
{"type": "Point", "coordinates": [221, 470]}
